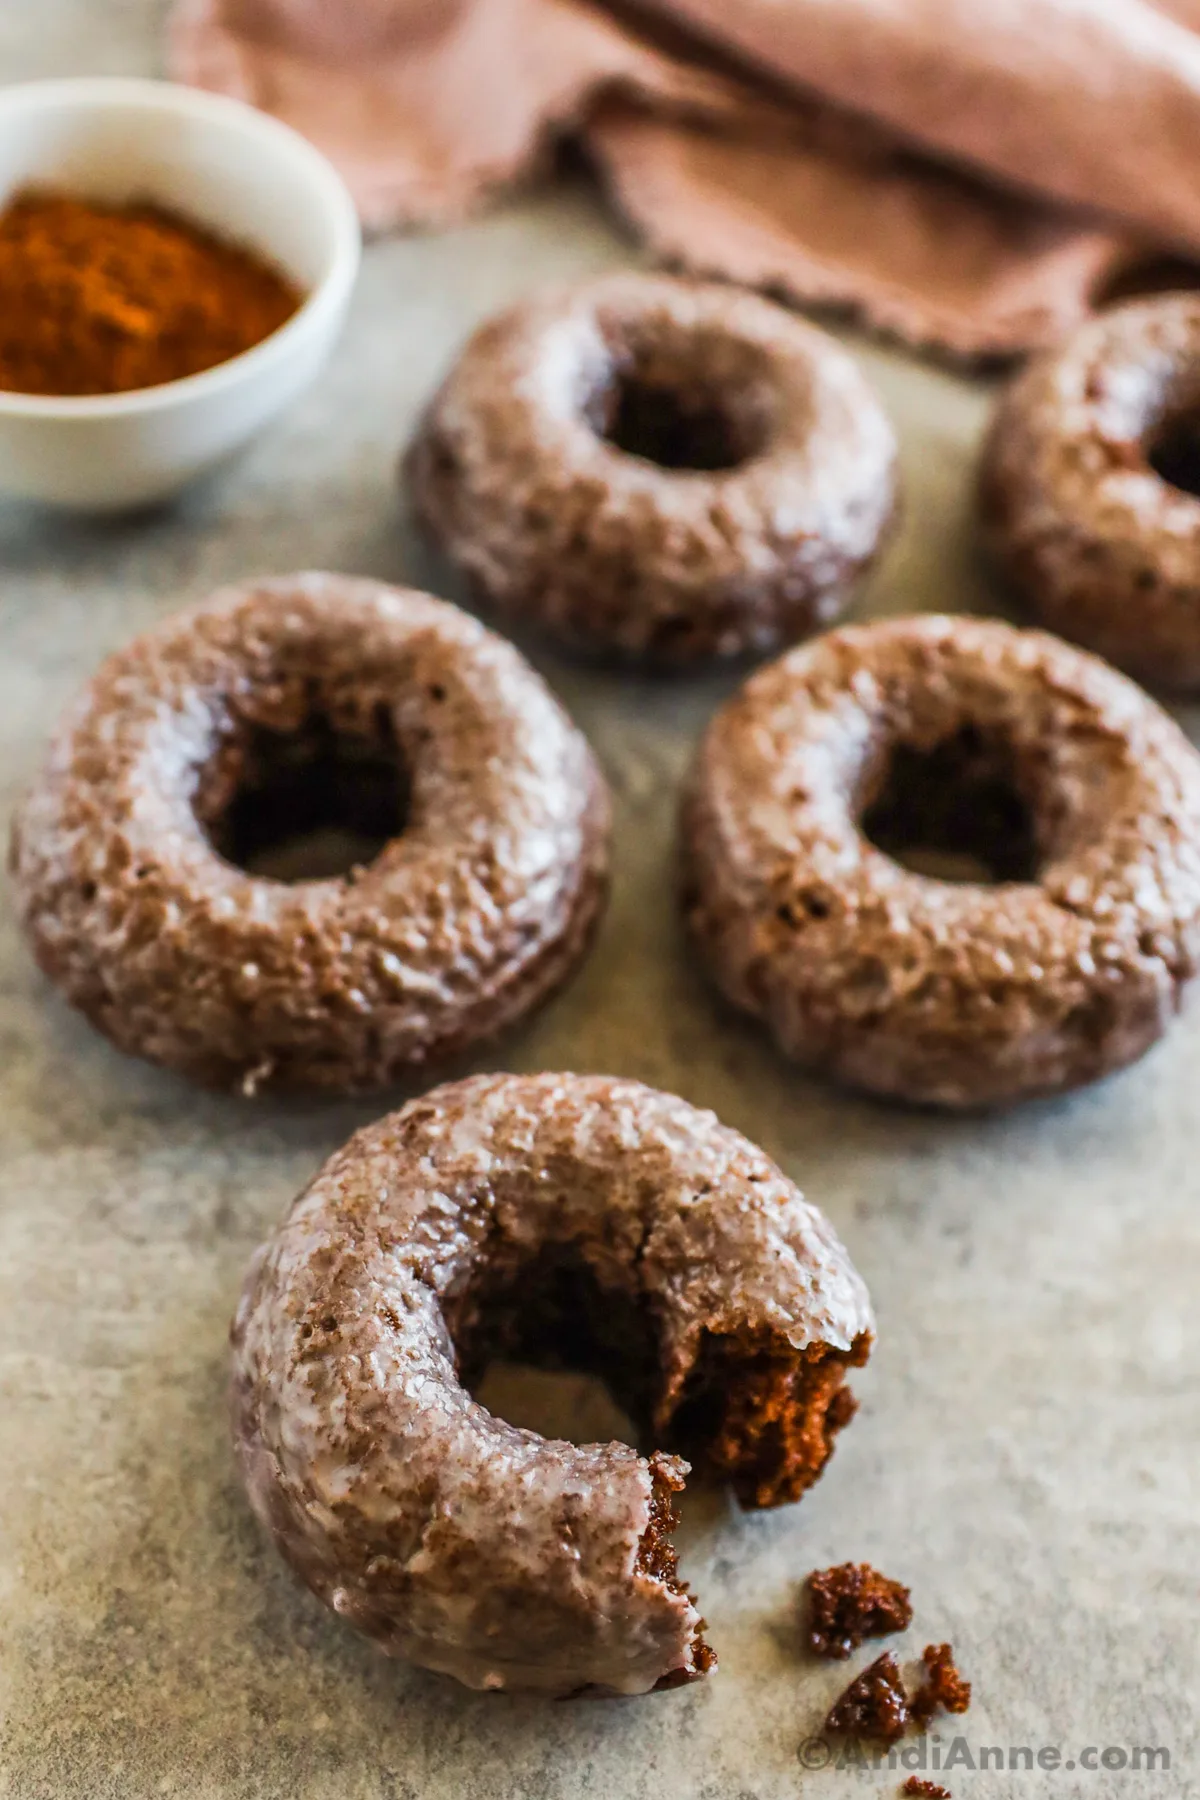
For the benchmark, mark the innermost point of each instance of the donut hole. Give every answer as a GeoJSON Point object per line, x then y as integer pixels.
{"type": "Point", "coordinates": [674, 429]}
{"type": "Point", "coordinates": [1173, 452]}
{"type": "Point", "coordinates": [544, 1346]}
{"type": "Point", "coordinates": [954, 811]}
{"type": "Point", "coordinates": [754, 1410]}
{"type": "Point", "coordinates": [561, 1404]}
{"type": "Point", "coordinates": [315, 803]}
{"type": "Point", "coordinates": [1149, 277]}
{"type": "Point", "coordinates": [692, 405]}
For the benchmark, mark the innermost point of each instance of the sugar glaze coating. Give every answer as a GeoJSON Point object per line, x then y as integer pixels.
{"type": "Point", "coordinates": [947, 993]}
{"type": "Point", "coordinates": [452, 1538]}
{"type": "Point", "coordinates": [742, 526]}
{"type": "Point", "coordinates": [1099, 545]}
{"type": "Point", "coordinates": [480, 908]}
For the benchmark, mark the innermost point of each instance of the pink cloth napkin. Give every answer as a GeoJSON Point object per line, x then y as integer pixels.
{"type": "Point", "coordinates": [972, 175]}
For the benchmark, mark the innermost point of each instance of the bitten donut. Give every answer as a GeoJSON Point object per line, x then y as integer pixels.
{"type": "Point", "coordinates": [974, 749]}
{"type": "Point", "coordinates": [1089, 489]}
{"type": "Point", "coordinates": [657, 469]}
{"type": "Point", "coordinates": [303, 702]}
{"type": "Point", "coordinates": [543, 1217]}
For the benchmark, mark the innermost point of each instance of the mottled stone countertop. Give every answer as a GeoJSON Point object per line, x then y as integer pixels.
{"type": "Point", "coordinates": [1028, 1451]}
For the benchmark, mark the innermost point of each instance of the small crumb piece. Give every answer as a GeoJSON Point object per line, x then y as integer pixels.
{"type": "Point", "coordinates": [931, 1790]}
{"type": "Point", "coordinates": [851, 1602]}
{"type": "Point", "coordinates": [873, 1706]}
{"type": "Point", "coordinates": [942, 1686]}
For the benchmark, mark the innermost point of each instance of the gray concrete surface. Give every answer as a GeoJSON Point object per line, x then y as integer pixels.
{"type": "Point", "coordinates": [1026, 1455]}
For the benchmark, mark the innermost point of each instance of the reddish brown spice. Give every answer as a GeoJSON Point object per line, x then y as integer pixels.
{"type": "Point", "coordinates": [943, 1686]}
{"type": "Point", "coordinates": [874, 1706]}
{"type": "Point", "coordinates": [930, 1789]}
{"type": "Point", "coordinates": [104, 299]}
{"type": "Point", "coordinates": [851, 1602]}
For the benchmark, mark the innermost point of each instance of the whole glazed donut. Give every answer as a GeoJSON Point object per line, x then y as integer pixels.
{"type": "Point", "coordinates": [534, 1216]}
{"type": "Point", "coordinates": [951, 737]}
{"type": "Point", "coordinates": [1084, 488]}
{"type": "Point", "coordinates": [657, 469]}
{"type": "Point", "coordinates": [299, 700]}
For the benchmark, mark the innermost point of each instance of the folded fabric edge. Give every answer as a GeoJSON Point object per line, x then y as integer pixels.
{"type": "Point", "coordinates": [708, 231]}
{"type": "Point", "coordinates": [635, 112]}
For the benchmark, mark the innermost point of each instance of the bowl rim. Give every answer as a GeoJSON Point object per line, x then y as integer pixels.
{"type": "Point", "coordinates": [125, 93]}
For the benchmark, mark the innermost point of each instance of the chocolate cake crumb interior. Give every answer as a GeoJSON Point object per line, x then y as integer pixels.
{"type": "Point", "coordinates": [853, 1602]}
{"type": "Point", "coordinates": [942, 1685]}
{"type": "Point", "coordinates": [658, 1558]}
{"type": "Point", "coordinates": [762, 1414]}
{"type": "Point", "coordinates": [754, 1411]}
{"type": "Point", "coordinates": [874, 1707]}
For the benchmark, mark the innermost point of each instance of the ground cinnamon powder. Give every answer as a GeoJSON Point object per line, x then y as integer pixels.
{"type": "Point", "coordinates": [103, 299]}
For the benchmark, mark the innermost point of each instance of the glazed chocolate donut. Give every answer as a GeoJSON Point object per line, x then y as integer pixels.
{"type": "Point", "coordinates": [542, 1216]}
{"type": "Point", "coordinates": [312, 700]}
{"type": "Point", "coordinates": [950, 741]}
{"type": "Point", "coordinates": [1089, 489]}
{"type": "Point", "coordinates": [657, 469]}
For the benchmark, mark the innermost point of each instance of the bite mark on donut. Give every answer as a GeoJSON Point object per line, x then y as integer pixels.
{"type": "Point", "coordinates": [554, 1219]}
{"type": "Point", "coordinates": [658, 1559]}
{"type": "Point", "coordinates": [755, 1411]}
{"type": "Point", "coordinates": [762, 1414]}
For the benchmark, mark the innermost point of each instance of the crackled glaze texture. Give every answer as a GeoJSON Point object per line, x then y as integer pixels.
{"type": "Point", "coordinates": [950, 993]}
{"type": "Point", "coordinates": [524, 473]}
{"type": "Point", "coordinates": [474, 913]}
{"type": "Point", "coordinates": [452, 1538]}
{"type": "Point", "coordinates": [1100, 546]}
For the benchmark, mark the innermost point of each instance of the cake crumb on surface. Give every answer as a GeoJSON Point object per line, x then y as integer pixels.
{"type": "Point", "coordinates": [930, 1789]}
{"type": "Point", "coordinates": [851, 1602]}
{"type": "Point", "coordinates": [943, 1686]}
{"type": "Point", "coordinates": [873, 1706]}
{"type": "Point", "coordinates": [877, 1707]}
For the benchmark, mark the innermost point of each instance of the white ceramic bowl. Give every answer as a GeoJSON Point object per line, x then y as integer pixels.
{"type": "Point", "coordinates": [228, 167]}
